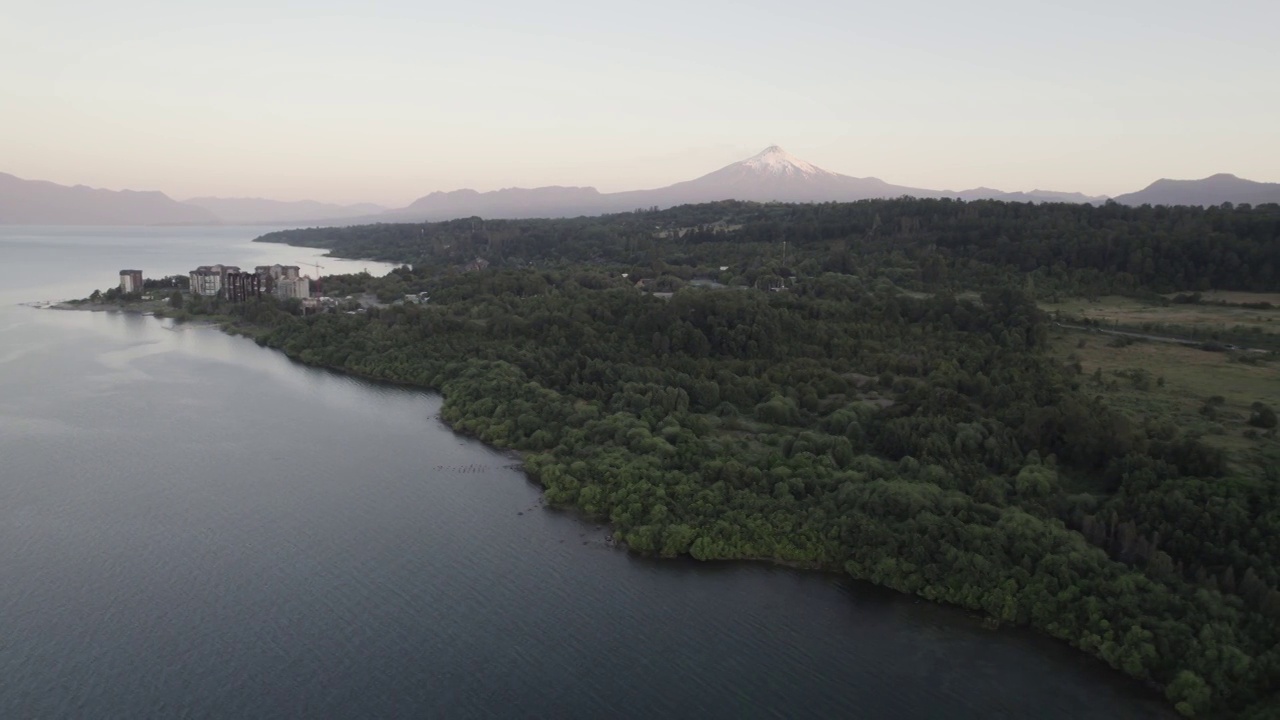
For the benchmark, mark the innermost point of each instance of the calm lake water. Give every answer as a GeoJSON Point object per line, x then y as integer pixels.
{"type": "Point", "coordinates": [193, 526]}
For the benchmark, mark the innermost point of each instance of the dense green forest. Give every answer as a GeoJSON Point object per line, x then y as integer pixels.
{"type": "Point", "coordinates": [893, 413]}
{"type": "Point", "coordinates": [1073, 247]}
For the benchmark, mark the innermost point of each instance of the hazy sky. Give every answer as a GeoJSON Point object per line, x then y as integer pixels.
{"type": "Point", "coordinates": [386, 101]}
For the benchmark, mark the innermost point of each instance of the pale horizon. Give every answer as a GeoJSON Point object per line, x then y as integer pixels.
{"type": "Point", "coordinates": [351, 104]}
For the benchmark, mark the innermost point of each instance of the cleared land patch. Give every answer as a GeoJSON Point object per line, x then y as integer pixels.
{"type": "Point", "coordinates": [1235, 298]}
{"type": "Point", "coordinates": [1211, 393]}
{"type": "Point", "coordinates": [1127, 312]}
{"type": "Point", "coordinates": [1231, 326]}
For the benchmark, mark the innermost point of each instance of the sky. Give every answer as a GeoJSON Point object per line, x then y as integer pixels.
{"type": "Point", "coordinates": [387, 101]}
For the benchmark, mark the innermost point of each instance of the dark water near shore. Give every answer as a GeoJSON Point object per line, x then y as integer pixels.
{"type": "Point", "coordinates": [192, 526]}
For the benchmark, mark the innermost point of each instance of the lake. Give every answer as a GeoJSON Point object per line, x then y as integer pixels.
{"type": "Point", "coordinates": [193, 526]}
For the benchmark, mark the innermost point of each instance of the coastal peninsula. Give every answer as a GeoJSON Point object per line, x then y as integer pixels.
{"type": "Point", "coordinates": [894, 401]}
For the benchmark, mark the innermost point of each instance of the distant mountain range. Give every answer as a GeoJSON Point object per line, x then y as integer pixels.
{"type": "Point", "coordinates": [772, 175]}
{"type": "Point", "coordinates": [35, 202]}
{"type": "Point", "coordinates": [259, 211]}
{"type": "Point", "coordinates": [1213, 190]}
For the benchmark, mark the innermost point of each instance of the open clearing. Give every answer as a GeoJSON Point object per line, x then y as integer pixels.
{"type": "Point", "coordinates": [1127, 312]}
{"type": "Point", "coordinates": [1131, 381]}
{"type": "Point", "coordinates": [1233, 297]}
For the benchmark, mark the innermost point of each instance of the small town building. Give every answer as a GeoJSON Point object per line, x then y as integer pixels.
{"type": "Point", "coordinates": [242, 286]}
{"type": "Point", "coordinates": [130, 281]}
{"type": "Point", "coordinates": [269, 275]}
{"type": "Point", "coordinates": [209, 280]}
{"type": "Point", "coordinates": [205, 282]}
{"type": "Point", "coordinates": [297, 287]}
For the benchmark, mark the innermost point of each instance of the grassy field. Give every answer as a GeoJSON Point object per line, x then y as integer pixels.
{"type": "Point", "coordinates": [1155, 382]}
{"type": "Point", "coordinates": [1139, 315]}
{"type": "Point", "coordinates": [1235, 298]}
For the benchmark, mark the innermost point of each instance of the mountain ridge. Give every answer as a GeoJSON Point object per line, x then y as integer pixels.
{"type": "Point", "coordinates": [264, 211]}
{"type": "Point", "coordinates": [40, 202]}
{"type": "Point", "coordinates": [772, 175]}
{"type": "Point", "coordinates": [1213, 190]}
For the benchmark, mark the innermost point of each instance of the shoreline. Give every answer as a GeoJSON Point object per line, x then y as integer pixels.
{"type": "Point", "coordinates": [986, 620]}
{"type": "Point", "coordinates": [511, 453]}
{"type": "Point", "coordinates": [88, 306]}
{"type": "Point", "coordinates": [154, 309]}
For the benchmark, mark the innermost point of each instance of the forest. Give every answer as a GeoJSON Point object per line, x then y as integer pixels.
{"type": "Point", "coordinates": [1073, 248]}
{"type": "Point", "coordinates": [864, 388]}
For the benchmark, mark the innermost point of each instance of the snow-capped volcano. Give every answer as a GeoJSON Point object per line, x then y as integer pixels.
{"type": "Point", "coordinates": [771, 175]}
{"type": "Point", "coordinates": [776, 161]}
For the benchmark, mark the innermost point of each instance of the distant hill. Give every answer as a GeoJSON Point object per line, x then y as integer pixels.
{"type": "Point", "coordinates": [260, 211]}
{"type": "Point", "coordinates": [1034, 196]}
{"type": "Point", "coordinates": [553, 201]}
{"type": "Point", "coordinates": [1213, 190]}
{"type": "Point", "coordinates": [36, 202]}
{"type": "Point", "coordinates": [769, 176]}
{"type": "Point", "coordinates": [772, 175]}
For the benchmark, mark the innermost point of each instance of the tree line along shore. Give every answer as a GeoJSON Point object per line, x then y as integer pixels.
{"type": "Point", "coordinates": [881, 388]}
